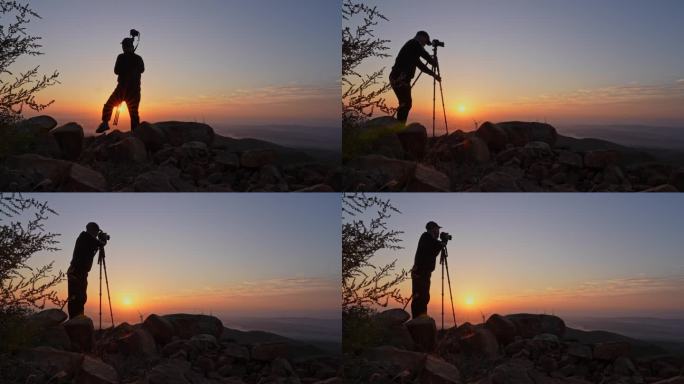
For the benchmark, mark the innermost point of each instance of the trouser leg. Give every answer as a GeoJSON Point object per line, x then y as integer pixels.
{"type": "Point", "coordinates": [403, 92]}
{"type": "Point", "coordinates": [114, 99]}
{"type": "Point", "coordinates": [78, 287]}
{"type": "Point", "coordinates": [421, 294]}
{"type": "Point", "coordinates": [133, 103]}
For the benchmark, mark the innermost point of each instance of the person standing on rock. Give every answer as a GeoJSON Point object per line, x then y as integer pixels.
{"type": "Point", "coordinates": [405, 68]}
{"type": "Point", "coordinates": [129, 66]}
{"type": "Point", "coordinates": [87, 244]}
{"type": "Point", "coordinates": [429, 247]}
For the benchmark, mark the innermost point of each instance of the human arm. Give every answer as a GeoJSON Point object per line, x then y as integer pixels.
{"type": "Point", "coordinates": [118, 65]}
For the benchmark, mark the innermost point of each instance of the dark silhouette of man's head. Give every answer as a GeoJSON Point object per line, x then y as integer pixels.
{"type": "Point", "coordinates": [433, 229]}
{"type": "Point", "coordinates": [127, 45]}
{"type": "Point", "coordinates": [423, 38]}
{"type": "Point", "coordinates": [93, 229]}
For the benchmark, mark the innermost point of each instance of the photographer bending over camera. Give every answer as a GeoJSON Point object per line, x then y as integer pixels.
{"type": "Point", "coordinates": [429, 246]}
{"type": "Point", "coordinates": [87, 244]}
{"type": "Point", "coordinates": [405, 68]}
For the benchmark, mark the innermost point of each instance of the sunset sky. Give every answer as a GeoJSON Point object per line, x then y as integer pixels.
{"type": "Point", "coordinates": [260, 255]}
{"type": "Point", "coordinates": [565, 62]}
{"type": "Point", "coordinates": [223, 62]}
{"type": "Point", "coordinates": [569, 254]}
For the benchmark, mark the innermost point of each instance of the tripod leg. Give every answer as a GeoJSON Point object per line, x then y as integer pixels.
{"type": "Point", "coordinates": [443, 293]}
{"type": "Point", "coordinates": [100, 295]}
{"type": "Point", "coordinates": [451, 297]}
{"type": "Point", "coordinates": [111, 313]}
{"type": "Point", "coordinates": [441, 92]}
{"type": "Point", "coordinates": [434, 94]}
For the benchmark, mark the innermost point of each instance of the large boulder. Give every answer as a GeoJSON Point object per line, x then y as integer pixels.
{"type": "Point", "coordinates": [378, 136]}
{"type": "Point", "coordinates": [178, 132]}
{"type": "Point", "coordinates": [480, 340]}
{"type": "Point", "coordinates": [438, 371]}
{"type": "Point", "coordinates": [95, 371]}
{"type": "Point", "coordinates": [40, 166]}
{"type": "Point", "coordinates": [51, 360]}
{"type": "Point", "coordinates": [423, 330]}
{"type": "Point", "coordinates": [153, 181]}
{"type": "Point", "coordinates": [269, 351]}
{"type": "Point", "coordinates": [81, 332]}
{"type": "Point", "coordinates": [160, 328]}
{"type": "Point", "coordinates": [599, 159]}
{"type": "Point", "coordinates": [428, 179]}
{"type": "Point", "coordinates": [493, 135]}
{"type": "Point", "coordinates": [151, 135]}
{"type": "Point", "coordinates": [84, 179]}
{"type": "Point", "coordinates": [130, 149]}
{"type": "Point", "coordinates": [611, 350]}
{"type": "Point", "coordinates": [70, 139]}
{"type": "Point", "coordinates": [37, 125]}
{"type": "Point", "coordinates": [35, 132]}
{"type": "Point", "coordinates": [471, 150]}
{"type": "Point", "coordinates": [530, 325]}
{"type": "Point", "coordinates": [520, 133]}
{"type": "Point", "coordinates": [384, 170]}
{"type": "Point", "coordinates": [401, 358]}
{"type": "Point", "coordinates": [257, 158]}
{"type": "Point", "coordinates": [502, 180]}
{"type": "Point", "coordinates": [570, 159]}
{"type": "Point", "coordinates": [172, 371]}
{"type": "Point", "coordinates": [413, 139]}
{"type": "Point", "coordinates": [394, 316]}
{"type": "Point", "coordinates": [130, 341]}
{"type": "Point", "coordinates": [503, 328]}
{"type": "Point", "coordinates": [186, 326]}
{"type": "Point", "coordinates": [48, 318]}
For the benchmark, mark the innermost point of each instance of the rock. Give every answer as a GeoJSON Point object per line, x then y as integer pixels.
{"type": "Point", "coordinates": [236, 351]}
{"type": "Point", "coordinates": [384, 170]}
{"type": "Point", "coordinates": [495, 136]}
{"type": "Point", "coordinates": [471, 150]}
{"type": "Point", "coordinates": [37, 125]}
{"type": "Point", "coordinates": [40, 166]}
{"type": "Point", "coordinates": [438, 371]}
{"type": "Point", "coordinates": [130, 149]}
{"type": "Point", "coordinates": [423, 332]}
{"type": "Point", "coordinates": [151, 135]}
{"type": "Point", "coordinates": [160, 328]}
{"type": "Point", "coordinates": [53, 336]}
{"type": "Point", "coordinates": [428, 179]}
{"type": "Point", "coordinates": [378, 136]}
{"type": "Point", "coordinates": [257, 158]}
{"type": "Point", "coordinates": [611, 350]}
{"type": "Point", "coordinates": [269, 351]}
{"type": "Point", "coordinates": [672, 380]}
{"type": "Point", "coordinates": [227, 160]}
{"type": "Point", "coordinates": [503, 328]}
{"type": "Point", "coordinates": [153, 181]}
{"type": "Point", "coordinates": [579, 350]}
{"type": "Point", "coordinates": [51, 360]}
{"type": "Point", "coordinates": [70, 139]}
{"type": "Point", "coordinates": [394, 316]}
{"type": "Point", "coordinates": [570, 159]}
{"type": "Point", "coordinates": [413, 361]}
{"type": "Point", "coordinates": [134, 341]}
{"type": "Point", "coordinates": [530, 325]}
{"type": "Point", "coordinates": [48, 318]}
{"type": "Point", "coordinates": [169, 372]}
{"type": "Point", "coordinates": [537, 149]}
{"type": "Point", "coordinates": [94, 371]}
{"type": "Point", "coordinates": [413, 139]}
{"type": "Point", "coordinates": [677, 179]}
{"type": "Point", "coordinates": [520, 133]}
{"type": "Point", "coordinates": [203, 342]}
{"type": "Point", "coordinates": [663, 188]}
{"type": "Point", "coordinates": [195, 149]}
{"type": "Point", "coordinates": [514, 371]}
{"type": "Point", "coordinates": [84, 179]}
{"type": "Point", "coordinates": [205, 364]}
{"type": "Point", "coordinates": [600, 159]}
{"type": "Point", "coordinates": [317, 188]}
{"type": "Point", "coordinates": [280, 367]}
{"type": "Point", "coordinates": [177, 132]}
{"type": "Point", "coordinates": [81, 333]}
{"type": "Point", "coordinates": [499, 181]}
{"type": "Point", "coordinates": [480, 341]}
{"type": "Point", "coordinates": [186, 326]}
{"type": "Point", "coordinates": [624, 366]}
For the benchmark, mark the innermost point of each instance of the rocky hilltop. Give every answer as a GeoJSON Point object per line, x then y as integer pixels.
{"type": "Point", "coordinates": [158, 157]}
{"type": "Point", "coordinates": [512, 349]}
{"type": "Point", "coordinates": [383, 155]}
{"type": "Point", "coordinates": [170, 349]}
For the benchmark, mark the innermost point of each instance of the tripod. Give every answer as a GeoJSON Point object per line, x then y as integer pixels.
{"type": "Point", "coordinates": [436, 70]}
{"type": "Point", "coordinates": [443, 260]}
{"type": "Point", "coordinates": [103, 264]}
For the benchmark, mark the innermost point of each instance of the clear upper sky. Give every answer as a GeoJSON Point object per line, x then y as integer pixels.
{"type": "Point", "coordinates": [223, 61]}
{"type": "Point", "coordinates": [570, 254]}
{"type": "Point", "coordinates": [581, 61]}
{"type": "Point", "coordinates": [229, 254]}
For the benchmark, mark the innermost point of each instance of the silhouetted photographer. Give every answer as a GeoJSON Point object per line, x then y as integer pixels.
{"type": "Point", "coordinates": [129, 67]}
{"type": "Point", "coordinates": [87, 244]}
{"type": "Point", "coordinates": [404, 70]}
{"type": "Point", "coordinates": [429, 246]}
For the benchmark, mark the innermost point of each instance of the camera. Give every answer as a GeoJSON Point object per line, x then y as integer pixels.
{"type": "Point", "coordinates": [437, 43]}
{"type": "Point", "coordinates": [103, 236]}
{"type": "Point", "coordinates": [444, 237]}
{"type": "Point", "coordinates": [135, 33]}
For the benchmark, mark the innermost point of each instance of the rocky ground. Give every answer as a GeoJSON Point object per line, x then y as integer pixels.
{"type": "Point", "coordinates": [503, 157]}
{"type": "Point", "coordinates": [159, 157]}
{"type": "Point", "coordinates": [170, 349]}
{"type": "Point", "coordinates": [513, 349]}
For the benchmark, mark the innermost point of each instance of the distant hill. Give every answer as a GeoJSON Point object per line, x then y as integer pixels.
{"type": "Point", "coordinates": [297, 349]}
{"type": "Point", "coordinates": [295, 136]}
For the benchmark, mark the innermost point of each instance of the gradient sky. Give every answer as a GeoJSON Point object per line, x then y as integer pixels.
{"type": "Point", "coordinates": [223, 62]}
{"type": "Point", "coordinates": [568, 254]}
{"type": "Point", "coordinates": [265, 255]}
{"type": "Point", "coordinates": [566, 62]}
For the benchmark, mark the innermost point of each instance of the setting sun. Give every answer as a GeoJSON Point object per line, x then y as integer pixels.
{"type": "Point", "coordinates": [469, 300]}
{"type": "Point", "coordinates": [461, 108]}
{"type": "Point", "coordinates": [127, 301]}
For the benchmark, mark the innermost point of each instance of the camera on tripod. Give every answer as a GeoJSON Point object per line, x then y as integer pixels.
{"type": "Point", "coordinates": [103, 236]}
{"type": "Point", "coordinates": [437, 43]}
{"type": "Point", "coordinates": [444, 237]}
{"type": "Point", "coordinates": [134, 33]}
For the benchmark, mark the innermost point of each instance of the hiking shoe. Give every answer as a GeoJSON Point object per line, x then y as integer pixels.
{"type": "Point", "coordinates": [104, 126]}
